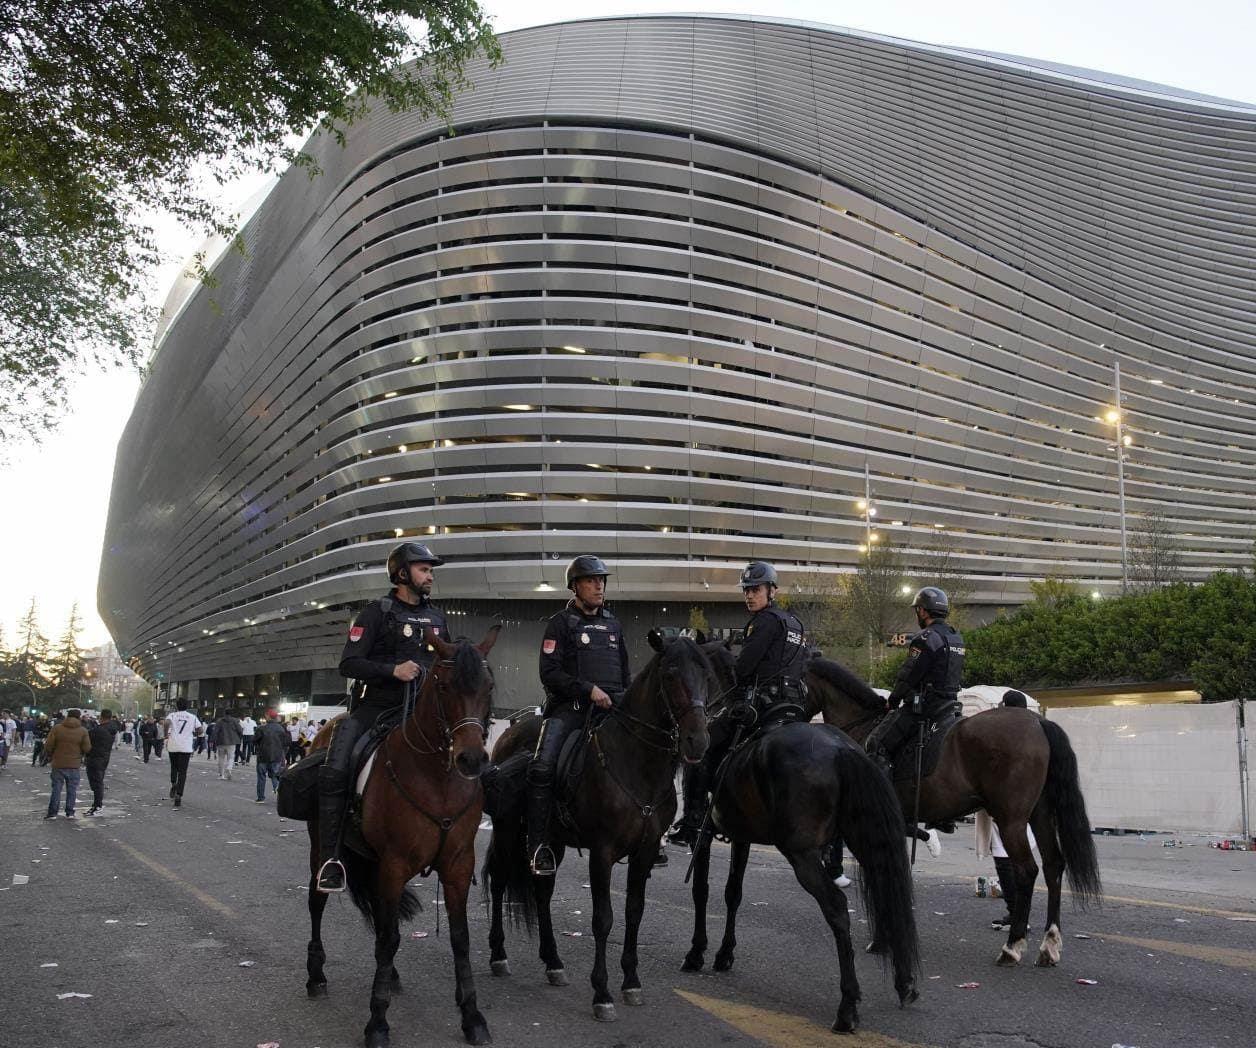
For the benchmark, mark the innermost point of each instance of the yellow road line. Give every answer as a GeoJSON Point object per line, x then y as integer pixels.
{"type": "Point", "coordinates": [785, 1031]}
{"type": "Point", "coordinates": [1242, 959]}
{"type": "Point", "coordinates": [1166, 905]}
{"type": "Point", "coordinates": [174, 878]}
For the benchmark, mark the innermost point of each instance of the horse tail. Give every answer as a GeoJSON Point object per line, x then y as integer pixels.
{"type": "Point", "coordinates": [870, 822]}
{"type": "Point", "coordinates": [362, 878]}
{"type": "Point", "coordinates": [506, 863]}
{"type": "Point", "coordinates": [1072, 825]}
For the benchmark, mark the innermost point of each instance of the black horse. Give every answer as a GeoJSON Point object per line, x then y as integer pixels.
{"type": "Point", "coordinates": [624, 800]}
{"type": "Point", "coordinates": [796, 787]}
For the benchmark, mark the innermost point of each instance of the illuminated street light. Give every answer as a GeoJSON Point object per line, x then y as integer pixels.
{"type": "Point", "coordinates": [1116, 417]}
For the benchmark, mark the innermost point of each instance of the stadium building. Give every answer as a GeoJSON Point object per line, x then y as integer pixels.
{"type": "Point", "coordinates": [682, 292]}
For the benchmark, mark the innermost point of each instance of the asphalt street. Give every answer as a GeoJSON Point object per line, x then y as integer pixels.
{"type": "Point", "coordinates": [189, 928]}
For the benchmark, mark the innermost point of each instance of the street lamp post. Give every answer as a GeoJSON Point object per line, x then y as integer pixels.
{"type": "Point", "coordinates": [34, 698]}
{"type": "Point", "coordinates": [1117, 417]}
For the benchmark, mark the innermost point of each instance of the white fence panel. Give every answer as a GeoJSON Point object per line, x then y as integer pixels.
{"type": "Point", "coordinates": [1158, 767]}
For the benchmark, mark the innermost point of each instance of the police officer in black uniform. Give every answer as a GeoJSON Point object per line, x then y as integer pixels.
{"type": "Point", "coordinates": [928, 682]}
{"type": "Point", "coordinates": [584, 660]}
{"type": "Point", "coordinates": [387, 652]}
{"type": "Point", "coordinates": [768, 675]}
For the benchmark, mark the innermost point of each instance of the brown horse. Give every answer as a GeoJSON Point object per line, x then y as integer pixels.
{"type": "Point", "coordinates": [420, 811]}
{"type": "Point", "coordinates": [623, 802]}
{"type": "Point", "coordinates": [1019, 767]}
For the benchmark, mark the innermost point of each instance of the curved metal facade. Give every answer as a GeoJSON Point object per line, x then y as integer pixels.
{"type": "Point", "coordinates": [671, 286]}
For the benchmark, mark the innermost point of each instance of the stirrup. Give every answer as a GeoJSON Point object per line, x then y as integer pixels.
{"type": "Point", "coordinates": [684, 832]}
{"type": "Point", "coordinates": [334, 872]}
{"type": "Point", "coordinates": [543, 864]}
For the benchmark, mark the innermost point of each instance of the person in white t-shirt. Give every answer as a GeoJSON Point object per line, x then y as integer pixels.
{"type": "Point", "coordinates": [181, 728]}
{"type": "Point", "coordinates": [248, 728]}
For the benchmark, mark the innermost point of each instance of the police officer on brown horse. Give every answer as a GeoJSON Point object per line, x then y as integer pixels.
{"type": "Point", "coordinates": [387, 652]}
{"type": "Point", "coordinates": [928, 682]}
{"type": "Point", "coordinates": [584, 660]}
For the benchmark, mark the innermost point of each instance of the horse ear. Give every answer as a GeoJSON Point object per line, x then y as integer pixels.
{"type": "Point", "coordinates": [445, 651]}
{"type": "Point", "coordinates": [699, 636]}
{"type": "Point", "coordinates": [486, 645]}
{"type": "Point", "coordinates": [655, 637]}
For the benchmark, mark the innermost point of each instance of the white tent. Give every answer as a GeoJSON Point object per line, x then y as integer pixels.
{"type": "Point", "coordinates": [988, 696]}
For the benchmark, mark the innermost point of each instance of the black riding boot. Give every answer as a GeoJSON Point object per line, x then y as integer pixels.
{"type": "Point", "coordinates": [540, 801]}
{"type": "Point", "coordinates": [333, 798]}
{"type": "Point", "coordinates": [1007, 882]}
{"type": "Point", "coordinates": [693, 794]}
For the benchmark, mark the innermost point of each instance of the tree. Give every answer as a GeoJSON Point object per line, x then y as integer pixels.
{"type": "Point", "coordinates": [939, 566]}
{"type": "Point", "coordinates": [877, 591]}
{"type": "Point", "coordinates": [31, 653]}
{"type": "Point", "coordinates": [1054, 591]}
{"type": "Point", "coordinates": [66, 665]}
{"type": "Point", "coordinates": [698, 620]}
{"type": "Point", "coordinates": [1155, 559]}
{"type": "Point", "coordinates": [110, 111]}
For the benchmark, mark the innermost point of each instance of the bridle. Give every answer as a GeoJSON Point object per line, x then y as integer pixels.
{"type": "Point", "coordinates": [662, 701]}
{"type": "Point", "coordinates": [447, 731]}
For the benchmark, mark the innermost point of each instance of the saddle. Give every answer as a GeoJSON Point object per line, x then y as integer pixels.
{"type": "Point", "coordinates": [298, 786]}
{"type": "Point", "coordinates": [936, 731]}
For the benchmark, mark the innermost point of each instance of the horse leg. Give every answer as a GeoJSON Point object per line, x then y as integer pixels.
{"type": "Point", "coordinates": [639, 866]}
{"type": "Point", "coordinates": [809, 869]}
{"type": "Point", "coordinates": [456, 881]}
{"type": "Point", "coordinates": [600, 863]}
{"type": "Point", "coordinates": [315, 956]}
{"type": "Point", "coordinates": [1024, 873]}
{"type": "Point", "coordinates": [701, 891]}
{"type": "Point", "coordinates": [388, 888]}
{"type": "Point", "coordinates": [740, 855]}
{"type": "Point", "coordinates": [543, 889]}
{"type": "Point", "coordinates": [497, 930]}
{"type": "Point", "coordinates": [1043, 823]}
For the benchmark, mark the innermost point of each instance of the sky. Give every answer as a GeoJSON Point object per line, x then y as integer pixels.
{"type": "Point", "coordinates": [55, 496]}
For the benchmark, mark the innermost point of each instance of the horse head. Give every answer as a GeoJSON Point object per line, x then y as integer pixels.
{"type": "Point", "coordinates": [843, 699]}
{"type": "Point", "coordinates": [686, 679]}
{"type": "Point", "coordinates": [461, 683]}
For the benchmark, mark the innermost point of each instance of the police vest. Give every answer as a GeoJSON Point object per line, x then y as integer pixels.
{"type": "Point", "coordinates": [944, 647]}
{"type": "Point", "coordinates": [596, 644]}
{"type": "Point", "coordinates": [785, 661]}
{"type": "Point", "coordinates": [400, 639]}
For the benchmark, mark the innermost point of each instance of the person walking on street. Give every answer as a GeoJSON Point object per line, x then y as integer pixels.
{"type": "Point", "coordinates": [66, 744]}
{"type": "Point", "coordinates": [272, 749]}
{"type": "Point", "coordinates": [100, 735]}
{"type": "Point", "coordinates": [180, 731]}
{"type": "Point", "coordinates": [227, 736]}
{"type": "Point", "coordinates": [248, 729]}
{"type": "Point", "coordinates": [148, 736]}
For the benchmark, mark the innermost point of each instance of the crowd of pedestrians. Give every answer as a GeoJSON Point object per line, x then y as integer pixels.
{"type": "Point", "coordinates": [77, 741]}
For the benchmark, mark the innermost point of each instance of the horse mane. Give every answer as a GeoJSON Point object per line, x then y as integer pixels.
{"type": "Point", "coordinates": [838, 676]}
{"type": "Point", "coordinates": [469, 672]}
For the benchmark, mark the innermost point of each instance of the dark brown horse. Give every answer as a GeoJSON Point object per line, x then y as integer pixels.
{"type": "Point", "coordinates": [420, 811]}
{"type": "Point", "coordinates": [1019, 767]}
{"type": "Point", "coordinates": [795, 788]}
{"type": "Point", "coordinates": [624, 800]}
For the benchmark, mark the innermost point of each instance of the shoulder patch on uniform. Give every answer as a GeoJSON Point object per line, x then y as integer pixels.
{"type": "Point", "coordinates": [550, 646]}
{"type": "Point", "coordinates": [355, 634]}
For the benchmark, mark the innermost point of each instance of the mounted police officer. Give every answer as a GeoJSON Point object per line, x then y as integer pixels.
{"type": "Point", "coordinates": [584, 660]}
{"type": "Point", "coordinates": [387, 652]}
{"type": "Point", "coordinates": [768, 675]}
{"type": "Point", "coordinates": [929, 680]}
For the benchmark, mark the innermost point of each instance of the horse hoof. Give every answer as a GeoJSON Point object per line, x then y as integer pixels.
{"type": "Point", "coordinates": [876, 947]}
{"type": "Point", "coordinates": [478, 1033]}
{"type": "Point", "coordinates": [501, 967]}
{"type": "Point", "coordinates": [556, 976]}
{"type": "Point", "coordinates": [908, 996]}
{"type": "Point", "coordinates": [634, 996]}
{"type": "Point", "coordinates": [604, 1013]}
{"type": "Point", "coordinates": [1009, 957]}
{"type": "Point", "coordinates": [846, 1022]}
{"type": "Point", "coordinates": [316, 989]}
{"type": "Point", "coordinates": [723, 962]}
{"type": "Point", "coordinates": [1045, 960]}
{"type": "Point", "coordinates": [377, 1039]}
{"type": "Point", "coordinates": [693, 963]}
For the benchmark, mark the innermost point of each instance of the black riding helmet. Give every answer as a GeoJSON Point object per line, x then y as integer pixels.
{"type": "Point", "coordinates": [933, 600]}
{"type": "Point", "coordinates": [758, 573]}
{"type": "Point", "coordinates": [406, 554]}
{"type": "Point", "coordinates": [585, 566]}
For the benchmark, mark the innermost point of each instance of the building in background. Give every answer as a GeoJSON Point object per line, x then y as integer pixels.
{"type": "Point", "coordinates": [682, 292]}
